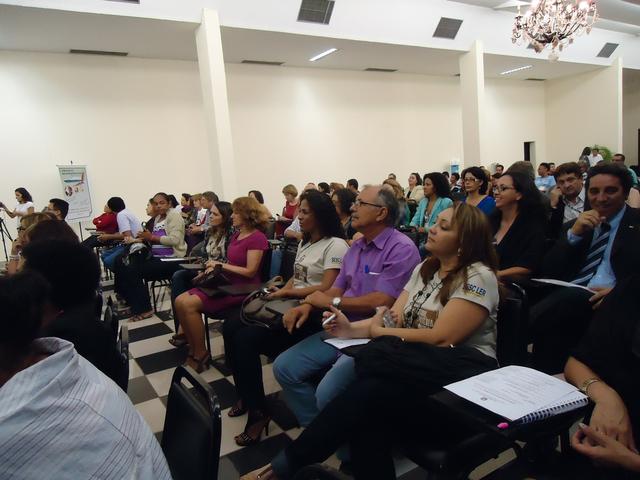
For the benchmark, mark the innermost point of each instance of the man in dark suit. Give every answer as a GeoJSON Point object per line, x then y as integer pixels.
{"type": "Point", "coordinates": [568, 198]}
{"type": "Point", "coordinates": [594, 251]}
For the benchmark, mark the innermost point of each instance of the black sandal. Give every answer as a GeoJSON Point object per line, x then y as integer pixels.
{"type": "Point", "coordinates": [255, 420]}
{"type": "Point", "coordinates": [179, 340]}
{"type": "Point", "coordinates": [237, 410]}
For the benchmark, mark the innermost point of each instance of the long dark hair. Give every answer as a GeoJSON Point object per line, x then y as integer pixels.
{"type": "Point", "coordinates": [346, 198]}
{"type": "Point", "coordinates": [225, 227]}
{"type": "Point", "coordinates": [475, 244]}
{"type": "Point", "coordinates": [418, 178]}
{"type": "Point", "coordinates": [258, 195]}
{"type": "Point", "coordinates": [480, 175]}
{"type": "Point", "coordinates": [530, 205]}
{"type": "Point", "coordinates": [26, 196]}
{"type": "Point", "coordinates": [440, 184]}
{"type": "Point", "coordinates": [325, 214]}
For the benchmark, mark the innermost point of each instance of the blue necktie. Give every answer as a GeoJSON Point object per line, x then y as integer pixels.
{"type": "Point", "coordinates": [594, 256]}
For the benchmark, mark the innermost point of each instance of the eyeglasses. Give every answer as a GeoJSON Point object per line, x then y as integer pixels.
{"type": "Point", "coordinates": [502, 188]}
{"type": "Point", "coordinates": [470, 180]}
{"type": "Point", "coordinates": [21, 229]}
{"type": "Point", "coordinates": [358, 202]}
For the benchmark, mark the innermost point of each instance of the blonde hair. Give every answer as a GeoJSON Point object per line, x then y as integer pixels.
{"type": "Point", "coordinates": [290, 190]}
{"type": "Point", "coordinates": [32, 219]}
{"type": "Point", "coordinates": [252, 212]}
{"type": "Point", "coordinates": [397, 189]}
{"type": "Point", "coordinates": [336, 186]}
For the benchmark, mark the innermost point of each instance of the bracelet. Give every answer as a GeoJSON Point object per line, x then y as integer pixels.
{"type": "Point", "coordinates": [584, 388]}
{"type": "Point", "coordinates": [14, 258]}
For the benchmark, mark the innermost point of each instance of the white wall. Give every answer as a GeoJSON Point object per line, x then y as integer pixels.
{"type": "Point", "coordinates": [514, 114]}
{"type": "Point", "coordinates": [294, 125]}
{"type": "Point", "coordinates": [631, 114]}
{"type": "Point", "coordinates": [136, 123]}
{"type": "Point", "coordinates": [583, 110]}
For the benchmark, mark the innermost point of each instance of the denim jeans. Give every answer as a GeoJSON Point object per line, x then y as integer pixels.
{"type": "Point", "coordinates": [110, 256]}
{"type": "Point", "coordinates": [296, 368]}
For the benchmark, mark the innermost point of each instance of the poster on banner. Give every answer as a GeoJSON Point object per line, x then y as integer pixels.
{"type": "Point", "coordinates": [75, 186]}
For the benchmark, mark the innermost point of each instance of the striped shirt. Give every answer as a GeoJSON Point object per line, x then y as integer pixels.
{"type": "Point", "coordinates": [62, 418]}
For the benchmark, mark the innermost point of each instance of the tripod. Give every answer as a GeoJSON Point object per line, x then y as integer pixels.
{"type": "Point", "coordinates": [4, 231]}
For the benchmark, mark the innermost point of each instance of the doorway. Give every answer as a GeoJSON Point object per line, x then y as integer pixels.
{"type": "Point", "coordinates": [530, 152]}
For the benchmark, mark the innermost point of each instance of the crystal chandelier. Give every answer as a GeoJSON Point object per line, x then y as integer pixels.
{"type": "Point", "coordinates": [554, 22]}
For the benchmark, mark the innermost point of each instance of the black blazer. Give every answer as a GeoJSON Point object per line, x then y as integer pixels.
{"type": "Point", "coordinates": [557, 217]}
{"type": "Point", "coordinates": [564, 261]}
{"type": "Point", "coordinates": [523, 245]}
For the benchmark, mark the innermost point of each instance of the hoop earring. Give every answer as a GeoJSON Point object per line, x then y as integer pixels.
{"type": "Point", "coordinates": [459, 252]}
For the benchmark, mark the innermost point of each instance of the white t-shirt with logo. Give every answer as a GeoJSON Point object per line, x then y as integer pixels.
{"type": "Point", "coordinates": [313, 259]}
{"type": "Point", "coordinates": [423, 306]}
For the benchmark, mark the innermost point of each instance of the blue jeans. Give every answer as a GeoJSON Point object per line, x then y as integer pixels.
{"type": "Point", "coordinates": [296, 368]}
{"type": "Point", "coordinates": [110, 256]}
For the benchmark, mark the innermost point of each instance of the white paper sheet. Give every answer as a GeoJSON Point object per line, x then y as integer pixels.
{"type": "Point", "coordinates": [560, 283]}
{"type": "Point", "coordinates": [513, 391]}
{"type": "Point", "coordinates": [341, 343]}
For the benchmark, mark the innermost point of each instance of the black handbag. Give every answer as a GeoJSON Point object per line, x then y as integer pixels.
{"type": "Point", "coordinates": [213, 279]}
{"type": "Point", "coordinates": [260, 311]}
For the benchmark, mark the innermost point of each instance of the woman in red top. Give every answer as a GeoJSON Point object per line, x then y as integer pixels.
{"type": "Point", "coordinates": [289, 211]}
{"type": "Point", "coordinates": [244, 257]}
{"type": "Point", "coordinates": [105, 223]}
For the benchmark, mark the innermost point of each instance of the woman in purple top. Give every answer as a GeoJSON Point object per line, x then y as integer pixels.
{"type": "Point", "coordinates": [476, 185]}
{"type": "Point", "coordinates": [244, 257]}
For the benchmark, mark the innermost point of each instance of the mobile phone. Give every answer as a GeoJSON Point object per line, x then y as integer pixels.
{"type": "Point", "coordinates": [387, 319]}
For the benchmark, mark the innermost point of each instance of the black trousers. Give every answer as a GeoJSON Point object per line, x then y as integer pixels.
{"type": "Point", "coordinates": [243, 345]}
{"type": "Point", "coordinates": [558, 322]}
{"type": "Point", "coordinates": [373, 415]}
{"type": "Point", "coordinates": [130, 281]}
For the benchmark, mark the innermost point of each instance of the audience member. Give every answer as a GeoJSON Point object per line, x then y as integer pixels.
{"type": "Point", "coordinates": [166, 240]}
{"type": "Point", "coordinates": [352, 184]}
{"type": "Point", "coordinates": [524, 167]}
{"type": "Point", "coordinates": [619, 158]}
{"type": "Point", "coordinates": [584, 167]}
{"type": "Point", "coordinates": [343, 201]}
{"type": "Point", "coordinates": [437, 197]}
{"type": "Point", "coordinates": [55, 401]}
{"type": "Point", "coordinates": [174, 204]}
{"type": "Point", "coordinates": [586, 152]}
{"type": "Point", "coordinates": [403, 206]}
{"type": "Point", "coordinates": [59, 208]}
{"type": "Point", "coordinates": [316, 267]}
{"type": "Point", "coordinates": [605, 367]}
{"type": "Point", "coordinates": [128, 227]}
{"type": "Point", "coordinates": [74, 274]}
{"type": "Point", "coordinates": [215, 249]}
{"type": "Point", "coordinates": [499, 169]}
{"type": "Point", "coordinates": [414, 192]}
{"type": "Point", "coordinates": [335, 186]}
{"type": "Point", "coordinates": [186, 207]}
{"type": "Point", "coordinates": [289, 211]}
{"type": "Point", "coordinates": [392, 176]}
{"type": "Point", "coordinates": [454, 182]}
{"type": "Point", "coordinates": [518, 224]}
{"type": "Point", "coordinates": [260, 198]}
{"type": "Point", "coordinates": [568, 198]}
{"type": "Point", "coordinates": [373, 272]}
{"type": "Point", "coordinates": [552, 168]}
{"type": "Point", "coordinates": [324, 188]}
{"type": "Point", "coordinates": [293, 231]}
{"type": "Point", "coordinates": [445, 173]}
{"type": "Point", "coordinates": [450, 300]}
{"type": "Point", "coordinates": [50, 230]}
{"type": "Point", "coordinates": [244, 258]}
{"type": "Point", "coordinates": [595, 157]}
{"type": "Point", "coordinates": [207, 199]}
{"type": "Point", "coordinates": [15, 258]}
{"type": "Point", "coordinates": [596, 250]}
{"type": "Point", "coordinates": [476, 185]}
{"type": "Point", "coordinates": [545, 181]}
{"type": "Point", "coordinates": [106, 222]}
{"type": "Point", "coordinates": [24, 205]}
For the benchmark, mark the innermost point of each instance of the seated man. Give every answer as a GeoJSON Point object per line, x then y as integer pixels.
{"type": "Point", "coordinates": [59, 208]}
{"type": "Point", "coordinates": [597, 250]}
{"type": "Point", "coordinates": [606, 367]}
{"type": "Point", "coordinates": [567, 197]}
{"type": "Point", "coordinates": [55, 403]}
{"type": "Point", "coordinates": [544, 181]}
{"type": "Point", "coordinates": [374, 271]}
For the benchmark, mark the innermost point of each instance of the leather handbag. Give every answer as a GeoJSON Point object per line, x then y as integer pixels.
{"type": "Point", "coordinates": [213, 279]}
{"type": "Point", "coordinates": [260, 311]}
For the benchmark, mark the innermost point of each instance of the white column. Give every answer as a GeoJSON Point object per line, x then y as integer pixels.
{"type": "Point", "coordinates": [472, 102]}
{"type": "Point", "coordinates": [213, 82]}
{"type": "Point", "coordinates": [616, 66]}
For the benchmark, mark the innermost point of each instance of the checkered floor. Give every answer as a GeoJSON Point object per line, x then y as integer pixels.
{"type": "Point", "coordinates": [153, 360]}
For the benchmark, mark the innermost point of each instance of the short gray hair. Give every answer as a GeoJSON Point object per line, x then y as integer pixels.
{"type": "Point", "coordinates": [388, 200]}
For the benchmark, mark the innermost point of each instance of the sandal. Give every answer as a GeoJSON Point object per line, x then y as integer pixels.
{"type": "Point", "coordinates": [179, 340]}
{"type": "Point", "coordinates": [252, 434]}
{"type": "Point", "coordinates": [237, 410]}
{"type": "Point", "coordinates": [141, 316]}
{"type": "Point", "coordinates": [199, 364]}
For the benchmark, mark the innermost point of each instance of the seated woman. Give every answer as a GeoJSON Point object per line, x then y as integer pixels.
{"type": "Point", "coordinates": [128, 227]}
{"type": "Point", "coordinates": [216, 250]}
{"type": "Point", "coordinates": [414, 192]}
{"type": "Point", "coordinates": [437, 197]}
{"type": "Point", "coordinates": [476, 185]}
{"type": "Point", "coordinates": [343, 200]}
{"type": "Point", "coordinates": [317, 265]}
{"type": "Point", "coordinates": [606, 367]}
{"type": "Point", "coordinates": [166, 240]}
{"type": "Point", "coordinates": [403, 206]}
{"type": "Point", "coordinates": [24, 206]}
{"type": "Point", "coordinates": [244, 259]}
{"type": "Point", "coordinates": [448, 312]}
{"type": "Point", "coordinates": [49, 395]}
{"type": "Point", "coordinates": [289, 211]}
{"type": "Point", "coordinates": [519, 224]}
{"type": "Point", "coordinates": [15, 259]}
{"type": "Point", "coordinates": [260, 198]}
{"type": "Point", "coordinates": [106, 222]}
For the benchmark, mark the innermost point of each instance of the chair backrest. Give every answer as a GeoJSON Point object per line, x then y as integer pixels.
{"type": "Point", "coordinates": [192, 428]}
{"type": "Point", "coordinates": [513, 319]}
{"type": "Point", "coordinates": [265, 267]}
{"type": "Point", "coordinates": [289, 253]}
{"type": "Point", "coordinates": [270, 231]}
{"type": "Point", "coordinates": [123, 350]}
{"type": "Point", "coordinates": [109, 318]}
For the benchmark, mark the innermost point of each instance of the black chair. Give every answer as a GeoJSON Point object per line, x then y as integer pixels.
{"type": "Point", "coordinates": [319, 472]}
{"type": "Point", "coordinates": [454, 453]}
{"type": "Point", "coordinates": [109, 318]}
{"type": "Point", "coordinates": [154, 286]}
{"type": "Point", "coordinates": [192, 428]}
{"type": "Point", "coordinates": [123, 350]}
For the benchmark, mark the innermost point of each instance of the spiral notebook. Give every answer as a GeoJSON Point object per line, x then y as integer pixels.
{"type": "Point", "coordinates": [520, 394]}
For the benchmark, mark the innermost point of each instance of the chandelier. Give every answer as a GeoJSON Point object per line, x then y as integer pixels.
{"type": "Point", "coordinates": [555, 23]}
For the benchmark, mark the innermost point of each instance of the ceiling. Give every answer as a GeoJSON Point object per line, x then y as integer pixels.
{"type": "Point", "coordinates": [617, 15]}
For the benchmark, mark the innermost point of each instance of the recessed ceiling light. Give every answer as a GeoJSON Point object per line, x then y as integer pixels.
{"type": "Point", "coordinates": [323, 54]}
{"type": "Point", "coordinates": [507, 72]}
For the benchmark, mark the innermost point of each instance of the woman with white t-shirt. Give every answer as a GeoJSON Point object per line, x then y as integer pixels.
{"type": "Point", "coordinates": [316, 267]}
{"type": "Point", "coordinates": [24, 206]}
{"type": "Point", "coordinates": [447, 313]}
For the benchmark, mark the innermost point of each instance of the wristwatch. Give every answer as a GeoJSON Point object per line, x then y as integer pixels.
{"type": "Point", "coordinates": [336, 302]}
{"type": "Point", "coordinates": [584, 388]}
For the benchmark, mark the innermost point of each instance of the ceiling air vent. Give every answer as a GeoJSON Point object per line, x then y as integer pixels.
{"type": "Point", "coordinates": [137, 2]}
{"type": "Point", "coordinates": [607, 50]}
{"type": "Point", "coordinates": [535, 79]}
{"type": "Point", "coordinates": [447, 28]}
{"type": "Point", "coordinates": [316, 11]}
{"type": "Point", "coordinates": [374, 69]}
{"type": "Point", "coordinates": [98, 52]}
{"type": "Point", "coordinates": [262, 62]}
{"type": "Point", "coordinates": [456, 74]}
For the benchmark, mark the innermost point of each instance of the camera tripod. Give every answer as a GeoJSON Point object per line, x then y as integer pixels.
{"type": "Point", "coordinates": [4, 232]}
